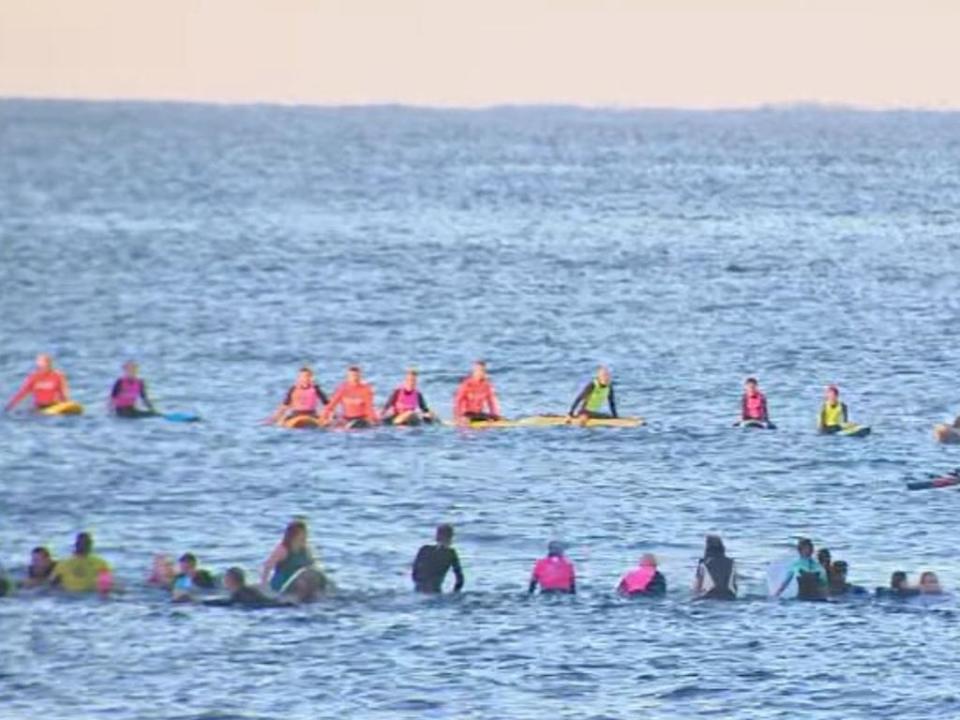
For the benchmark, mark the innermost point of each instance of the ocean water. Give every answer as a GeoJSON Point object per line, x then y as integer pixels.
{"type": "Point", "coordinates": [224, 246]}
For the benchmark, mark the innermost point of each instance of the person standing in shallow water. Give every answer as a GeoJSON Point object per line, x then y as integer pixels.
{"type": "Point", "coordinates": [716, 577]}
{"type": "Point", "coordinates": [553, 573]}
{"type": "Point", "coordinates": [432, 563]}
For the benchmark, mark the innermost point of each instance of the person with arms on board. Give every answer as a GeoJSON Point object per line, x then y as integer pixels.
{"type": "Point", "coordinates": [833, 413]}
{"type": "Point", "coordinates": [645, 580]}
{"type": "Point", "coordinates": [127, 391]}
{"type": "Point", "coordinates": [476, 398]}
{"type": "Point", "coordinates": [594, 396]}
{"type": "Point", "coordinates": [553, 573]}
{"type": "Point", "coordinates": [811, 577]}
{"type": "Point", "coordinates": [191, 577]}
{"type": "Point", "coordinates": [243, 595]}
{"type": "Point", "coordinates": [716, 576]}
{"type": "Point", "coordinates": [433, 561]}
{"type": "Point", "coordinates": [47, 385]}
{"type": "Point", "coordinates": [356, 398]}
{"type": "Point", "coordinates": [291, 556]}
{"type": "Point", "coordinates": [83, 571]}
{"type": "Point", "coordinates": [753, 405]}
{"type": "Point", "coordinates": [406, 404]}
{"type": "Point", "coordinates": [839, 585]}
{"type": "Point", "coordinates": [303, 398]}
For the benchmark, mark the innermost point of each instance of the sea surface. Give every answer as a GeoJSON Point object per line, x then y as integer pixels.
{"type": "Point", "coordinates": [223, 247]}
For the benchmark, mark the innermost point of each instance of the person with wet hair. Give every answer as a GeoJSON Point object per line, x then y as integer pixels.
{"type": "Point", "coordinates": [716, 576]}
{"type": "Point", "coordinates": [809, 573]}
{"type": "Point", "coordinates": [244, 595]}
{"type": "Point", "coordinates": [432, 563]}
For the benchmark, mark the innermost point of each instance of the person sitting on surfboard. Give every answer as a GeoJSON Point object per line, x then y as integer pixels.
{"type": "Point", "coordinates": [47, 385]}
{"type": "Point", "coordinates": [303, 398]}
{"type": "Point", "coordinates": [594, 396]}
{"type": "Point", "coordinates": [553, 573]}
{"type": "Point", "coordinates": [406, 403]}
{"type": "Point", "coordinates": [753, 407]}
{"type": "Point", "coordinates": [833, 413]}
{"type": "Point", "coordinates": [129, 389]}
{"type": "Point", "coordinates": [288, 558]}
{"type": "Point", "coordinates": [356, 397]}
{"type": "Point", "coordinates": [475, 398]}
{"type": "Point", "coordinates": [716, 577]}
{"type": "Point", "coordinates": [643, 580]}
{"type": "Point", "coordinates": [809, 573]}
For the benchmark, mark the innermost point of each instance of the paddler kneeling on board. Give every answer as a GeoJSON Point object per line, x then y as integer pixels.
{"type": "Point", "coordinates": [356, 397]}
{"type": "Point", "coordinates": [753, 405]}
{"type": "Point", "coordinates": [591, 400]}
{"type": "Point", "coordinates": [406, 405]}
{"type": "Point", "coordinates": [304, 398]}
{"type": "Point", "coordinates": [47, 385]}
{"type": "Point", "coordinates": [833, 413]}
{"type": "Point", "coordinates": [475, 398]}
{"type": "Point", "coordinates": [129, 389]}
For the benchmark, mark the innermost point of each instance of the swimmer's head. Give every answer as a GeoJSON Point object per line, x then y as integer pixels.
{"type": "Point", "coordinates": [445, 534]}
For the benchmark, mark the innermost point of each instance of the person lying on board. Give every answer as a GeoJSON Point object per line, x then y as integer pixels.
{"type": "Point", "coordinates": [243, 595]}
{"type": "Point", "coordinates": [476, 398]}
{"type": "Point", "coordinates": [406, 403]}
{"type": "Point", "coordinates": [833, 413]}
{"type": "Point", "coordinates": [356, 398]}
{"type": "Point", "coordinates": [595, 395]}
{"type": "Point", "coordinates": [127, 391]}
{"type": "Point", "coordinates": [47, 385]}
{"type": "Point", "coordinates": [303, 398]}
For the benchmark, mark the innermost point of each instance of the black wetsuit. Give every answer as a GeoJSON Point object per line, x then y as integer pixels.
{"type": "Point", "coordinates": [720, 568]}
{"type": "Point", "coordinates": [430, 568]}
{"type": "Point", "coordinates": [579, 406]}
{"type": "Point", "coordinates": [248, 597]}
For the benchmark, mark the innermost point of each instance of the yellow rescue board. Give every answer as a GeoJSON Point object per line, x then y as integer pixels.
{"type": "Point", "coordinates": [301, 422]}
{"type": "Point", "coordinates": [64, 408]}
{"type": "Point", "coordinates": [559, 421]}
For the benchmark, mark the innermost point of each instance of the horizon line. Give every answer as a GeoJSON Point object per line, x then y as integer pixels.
{"type": "Point", "coordinates": [786, 106]}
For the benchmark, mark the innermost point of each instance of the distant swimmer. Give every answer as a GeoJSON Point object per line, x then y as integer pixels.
{"type": "Point", "coordinates": [191, 577]}
{"type": "Point", "coordinates": [716, 577]}
{"type": "Point", "coordinates": [243, 595]}
{"type": "Point", "coordinates": [475, 398]}
{"type": "Point", "coordinates": [930, 583]}
{"type": "Point", "coordinates": [356, 398]}
{"type": "Point", "coordinates": [288, 558]}
{"type": "Point", "coordinates": [406, 404]}
{"type": "Point", "coordinates": [553, 573]}
{"type": "Point", "coordinates": [433, 561]}
{"type": "Point", "coordinates": [47, 385]}
{"type": "Point", "coordinates": [644, 580]}
{"type": "Point", "coordinates": [833, 413]}
{"type": "Point", "coordinates": [597, 394]}
{"type": "Point", "coordinates": [839, 585]}
{"type": "Point", "coordinates": [899, 587]}
{"type": "Point", "coordinates": [127, 391]}
{"type": "Point", "coordinates": [753, 406]}
{"type": "Point", "coordinates": [303, 398]}
{"type": "Point", "coordinates": [811, 577]}
{"type": "Point", "coordinates": [83, 571]}
{"type": "Point", "coordinates": [40, 570]}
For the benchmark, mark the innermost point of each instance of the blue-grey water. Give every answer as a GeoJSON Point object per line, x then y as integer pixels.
{"type": "Point", "coordinates": [225, 246]}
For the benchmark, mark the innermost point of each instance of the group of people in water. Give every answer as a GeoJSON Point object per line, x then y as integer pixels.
{"type": "Point", "coordinates": [292, 574]}
{"type": "Point", "coordinates": [352, 403]}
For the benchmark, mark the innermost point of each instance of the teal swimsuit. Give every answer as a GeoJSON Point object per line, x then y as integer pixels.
{"type": "Point", "coordinates": [287, 567]}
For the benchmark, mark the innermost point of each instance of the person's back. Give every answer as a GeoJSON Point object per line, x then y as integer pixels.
{"type": "Point", "coordinates": [554, 573]}
{"type": "Point", "coordinates": [717, 576]}
{"type": "Point", "coordinates": [643, 580]}
{"type": "Point", "coordinates": [432, 563]}
{"type": "Point", "coordinates": [811, 579]}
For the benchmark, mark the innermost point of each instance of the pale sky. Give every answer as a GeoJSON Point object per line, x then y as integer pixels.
{"type": "Point", "coordinates": [627, 53]}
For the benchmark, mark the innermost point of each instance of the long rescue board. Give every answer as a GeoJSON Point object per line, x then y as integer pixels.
{"type": "Point", "coordinates": [559, 421]}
